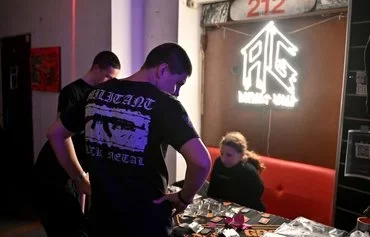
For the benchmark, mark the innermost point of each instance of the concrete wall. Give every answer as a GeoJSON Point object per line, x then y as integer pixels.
{"type": "Point", "coordinates": [52, 23]}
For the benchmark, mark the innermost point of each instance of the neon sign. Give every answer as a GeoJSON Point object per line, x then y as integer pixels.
{"type": "Point", "coordinates": [264, 60]}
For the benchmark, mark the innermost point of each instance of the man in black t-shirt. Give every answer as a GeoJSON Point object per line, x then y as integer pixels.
{"type": "Point", "coordinates": [125, 123]}
{"type": "Point", "coordinates": [56, 203]}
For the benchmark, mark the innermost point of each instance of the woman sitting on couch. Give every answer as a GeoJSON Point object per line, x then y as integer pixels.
{"type": "Point", "coordinates": [235, 175]}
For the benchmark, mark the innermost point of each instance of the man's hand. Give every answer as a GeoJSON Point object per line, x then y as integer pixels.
{"type": "Point", "coordinates": [177, 204]}
{"type": "Point", "coordinates": [82, 184]}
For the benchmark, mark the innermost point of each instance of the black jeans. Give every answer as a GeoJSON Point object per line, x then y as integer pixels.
{"type": "Point", "coordinates": [154, 220]}
{"type": "Point", "coordinates": [59, 210]}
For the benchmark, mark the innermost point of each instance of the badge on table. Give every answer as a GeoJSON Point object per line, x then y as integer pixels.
{"type": "Point", "coordinates": [196, 227]}
{"type": "Point", "coordinates": [216, 219]}
{"type": "Point", "coordinates": [267, 215]}
{"type": "Point", "coordinates": [236, 209]}
{"type": "Point", "coordinates": [205, 231]}
{"type": "Point", "coordinates": [211, 225]}
{"type": "Point", "coordinates": [264, 220]}
{"type": "Point", "coordinates": [245, 210]}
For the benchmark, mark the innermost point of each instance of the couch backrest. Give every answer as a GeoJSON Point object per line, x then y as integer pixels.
{"type": "Point", "coordinates": [295, 189]}
{"type": "Point", "coordinates": [214, 153]}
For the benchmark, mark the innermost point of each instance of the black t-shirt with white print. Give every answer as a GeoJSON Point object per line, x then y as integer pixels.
{"type": "Point", "coordinates": [125, 124]}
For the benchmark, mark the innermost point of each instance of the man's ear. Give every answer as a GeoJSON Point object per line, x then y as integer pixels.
{"type": "Point", "coordinates": [162, 69]}
{"type": "Point", "coordinates": [95, 67]}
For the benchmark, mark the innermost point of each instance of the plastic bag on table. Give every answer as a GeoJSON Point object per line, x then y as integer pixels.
{"type": "Point", "coordinates": [302, 227]}
{"type": "Point", "coordinates": [358, 233]}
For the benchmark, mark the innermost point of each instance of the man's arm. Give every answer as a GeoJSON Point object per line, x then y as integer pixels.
{"type": "Point", "coordinates": [60, 140]}
{"type": "Point", "coordinates": [198, 163]}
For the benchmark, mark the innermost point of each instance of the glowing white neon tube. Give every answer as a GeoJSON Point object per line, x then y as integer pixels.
{"type": "Point", "coordinates": [263, 61]}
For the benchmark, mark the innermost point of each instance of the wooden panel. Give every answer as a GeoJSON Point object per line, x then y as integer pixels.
{"type": "Point", "coordinates": [307, 133]}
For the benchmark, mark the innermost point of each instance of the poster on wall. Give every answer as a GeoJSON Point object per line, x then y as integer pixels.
{"type": "Point", "coordinates": [45, 69]}
{"type": "Point", "coordinates": [328, 4]}
{"type": "Point", "coordinates": [358, 154]}
{"type": "Point", "coordinates": [238, 10]}
{"type": "Point", "coordinates": [215, 13]}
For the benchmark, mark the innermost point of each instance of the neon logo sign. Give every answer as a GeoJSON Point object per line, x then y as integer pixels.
{"type": "Point", "coordinates": [263, 60]}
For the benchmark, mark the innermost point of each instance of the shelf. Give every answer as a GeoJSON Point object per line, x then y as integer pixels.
{"type": "Point", "coordinates": [357, 119]}
{"type": "Point", "coordinates": [349, 211]}
{"type": "Point", "coordinates": [360, 22]}
{"type": "Point", "coordinates": [358, 47]}
{"type": "Point", "coordinates": [356, 95]}
{"type": "Point", "coordinates": [354, 189]}
{"type": "Point", "coordinates": [355, 70]}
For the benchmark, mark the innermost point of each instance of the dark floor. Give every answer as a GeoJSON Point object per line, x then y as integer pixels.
{"type": "Point", "coordinates": [17, 219]}
{"type": "Point", "coordinates": [21, 228]}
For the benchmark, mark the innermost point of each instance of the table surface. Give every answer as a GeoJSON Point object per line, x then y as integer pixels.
{"type": "Point", "coordinates": [254, 227]}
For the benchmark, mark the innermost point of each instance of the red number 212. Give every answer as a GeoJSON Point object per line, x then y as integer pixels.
{"type": "Point", "coordinates": [254, 4]}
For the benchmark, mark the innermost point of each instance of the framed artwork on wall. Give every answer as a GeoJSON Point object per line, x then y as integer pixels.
{"type": "Point", "coordinates": [45, 69]}
{"type": "Point", "coordinates": [358, 154]}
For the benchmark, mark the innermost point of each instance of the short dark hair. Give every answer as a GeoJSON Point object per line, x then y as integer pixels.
{"type": "Point", "coordinates": [173, 55]}
{"type": "Point", "coordinates": [106, 59]}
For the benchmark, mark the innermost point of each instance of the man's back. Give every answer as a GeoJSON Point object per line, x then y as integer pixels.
{"type": "Point", "coordinates": [127, 121]}
{"type": "Point", "coordinates": [125, 124]}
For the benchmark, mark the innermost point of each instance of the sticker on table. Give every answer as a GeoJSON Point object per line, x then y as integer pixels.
{"type": "Point", "coordinates": [196, 227]}
{"type": "Point", "coordinates": [245, 210]}
{"type": "Point", "coordinates": [264, 220]}
{"type": "Point", "coordinates": [216, 219]}
{"type": "Point", "coordinates": [236, 209]}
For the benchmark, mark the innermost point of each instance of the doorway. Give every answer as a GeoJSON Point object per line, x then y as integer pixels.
{"type": "Point", "coordinates": [17, 151]}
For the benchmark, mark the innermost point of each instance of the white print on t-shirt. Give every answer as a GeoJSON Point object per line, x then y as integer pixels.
{"type": "Point", "coordinates": [118, 128]}
{"type": "Point", "coordinates": [97, 152]}
{"type": "Point", "coordinates": [113, 98]}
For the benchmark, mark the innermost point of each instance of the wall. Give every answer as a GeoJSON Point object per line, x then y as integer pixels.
{"type": "Point", "coordinates": [307, 133]}
{"type": "Point", "coordinates": [137, 29]}
{"type": "Point", "coordinates": [189, 34]}
{"type": "Point", "coordinates": [98, 25]}
{"type": "Point", "coordinates": [53, 24]}
{"type": "Point", "coordinates": [160, 25]}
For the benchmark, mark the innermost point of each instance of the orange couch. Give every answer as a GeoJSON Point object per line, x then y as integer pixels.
{"type": "Point", "coordinates": [295, 189]}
